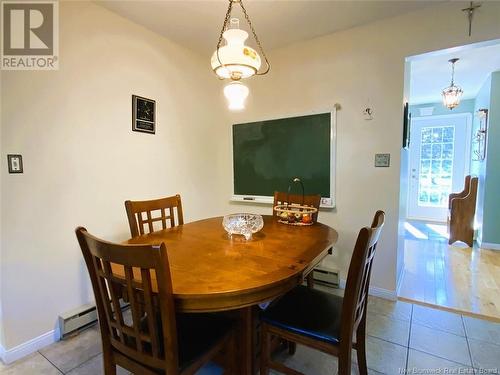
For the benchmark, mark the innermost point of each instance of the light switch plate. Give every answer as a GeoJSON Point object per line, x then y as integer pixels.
{"type": "Point", "coordinates": [382, 160]}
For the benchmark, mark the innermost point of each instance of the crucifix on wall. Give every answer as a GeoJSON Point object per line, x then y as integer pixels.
{"type": "Point", "coordinates": [470, 14]}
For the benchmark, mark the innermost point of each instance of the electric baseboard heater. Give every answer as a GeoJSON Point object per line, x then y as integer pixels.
{"type": "Point", "coordinates": [74, 321]}
{"type": "Point", "coordinates": [326, 277]}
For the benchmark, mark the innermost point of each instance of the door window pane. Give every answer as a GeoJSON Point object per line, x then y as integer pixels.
{"type": "Point", "coordinates": [447, 150]}
{"type": "Point", "coordinates": [436, 165]}
{"type": "Point", "coordinates": [437, 134]}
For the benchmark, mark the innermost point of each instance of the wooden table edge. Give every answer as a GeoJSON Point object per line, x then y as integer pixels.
{"type": "Point", "coordinates": [226, 301]}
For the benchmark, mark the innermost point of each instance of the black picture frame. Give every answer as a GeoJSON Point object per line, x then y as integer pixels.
{"type": "Point", "coordinates": [406, 126]}
{"type": "Point", "coordinates": [143, 115]}
{"type": "Point", "coordinates": [15, 163]}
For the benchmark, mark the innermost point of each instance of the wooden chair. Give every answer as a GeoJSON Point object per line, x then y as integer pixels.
{"type": "Point", "coordinates": [322, 320]}
{"type": "Point", "coordinates": [136, 210]}
{"type": "Point", "coordinates": [157, 341]}
{"type": "Point", "coordinates": [281, 197]}
{"type": "Point", "coordinates": [462, 209]}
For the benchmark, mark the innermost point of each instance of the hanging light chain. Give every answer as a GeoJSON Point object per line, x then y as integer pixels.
{"type": "Point", "coordinates": [453, 62]}
{"type": "Point", "coordinates": [453, 74]}
{"type": "Point", "coordinates": [224, 28]}
{"type": "Point", "coordinates": [268, 66]}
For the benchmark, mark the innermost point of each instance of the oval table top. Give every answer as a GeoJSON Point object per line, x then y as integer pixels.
{"type": "Point", "coordinates": [213, 272]}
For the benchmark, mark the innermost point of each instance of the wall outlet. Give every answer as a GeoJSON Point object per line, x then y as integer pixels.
{"type": "Point", "coordinates": [326, 201]}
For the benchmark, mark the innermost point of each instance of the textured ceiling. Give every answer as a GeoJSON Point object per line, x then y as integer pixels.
{"type": "Point", "coordinates": [196, 24]}
{"type": "Point", "coordinates": [431, 74]}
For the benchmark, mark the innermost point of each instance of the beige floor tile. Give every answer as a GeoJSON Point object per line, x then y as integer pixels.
{"type": "Point", "coordinates": [389, 329]}
{"type": "Point", "coordinates": [309, 361]}
{"type": "Point", "coordinates": [439, 343]}
{"type": "Point", "coordinates": [483, 330]}
{"type": "Point", "coordinates": [354, 371]}
{"type": "Point", "coordinates": [34, 364]}
{"type": "Point", "coordinates": [485, 356]}
{"type": "Point", "coordinates": [70, 353]}
{"type": "Point", "coordinates": [314, 362]}
{"type": "Point", "coordinates": [394, 309]}
{"type": "Point", "coordinates": [438, 319]}
{"type": "Point", "coordinates": [419, 362]}
{"type": "Point", "coordinates": [94, 367]}
{"type": "Point", "coordinates": [383, 356]}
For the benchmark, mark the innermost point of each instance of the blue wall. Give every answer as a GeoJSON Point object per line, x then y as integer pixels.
{"type": "Point", "coordinates": [491, 203]}
{"type": "Point", "coordinates": [478, 168]}
{"type": "Point", "coordinates": [465, 106]}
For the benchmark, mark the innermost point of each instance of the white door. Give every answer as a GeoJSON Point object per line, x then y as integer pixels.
{"type": "Point", "coordinates": [439, 161]}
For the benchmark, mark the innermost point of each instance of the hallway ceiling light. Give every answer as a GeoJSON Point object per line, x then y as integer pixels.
{"type": "Point", "coordinates": [453, 93]}
{"type": "Point", "coordinates": [234, 60]}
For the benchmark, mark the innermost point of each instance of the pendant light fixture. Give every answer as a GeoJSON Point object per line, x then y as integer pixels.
{"type": "Point", "coordinates": [236, 94]}
{"type": "Point", "coordinates": [236, 61]}
{"type": "Point", "coordinates": [453, 93]}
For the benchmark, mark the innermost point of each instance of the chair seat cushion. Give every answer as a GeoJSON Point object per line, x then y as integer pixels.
{"type": "Point", "coordinates": [198, 333]}
{"type": "Point", "coordinates": [308, 312]}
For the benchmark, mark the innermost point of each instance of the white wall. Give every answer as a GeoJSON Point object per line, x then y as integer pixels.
{"type": "Point", "coordinates": [356, 67]}
{"type": "Point", "coordinates": [82, 161]}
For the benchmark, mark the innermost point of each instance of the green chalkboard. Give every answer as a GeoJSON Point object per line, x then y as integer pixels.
{"type": "Point", "coordinates": [267, 155]}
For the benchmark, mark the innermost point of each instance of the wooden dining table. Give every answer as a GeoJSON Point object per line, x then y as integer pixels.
{"type": "Point", "coordinates": [212, 271]}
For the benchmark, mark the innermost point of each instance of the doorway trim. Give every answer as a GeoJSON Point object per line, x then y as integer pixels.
{"type": "Point", "coordinates": [468, 146]}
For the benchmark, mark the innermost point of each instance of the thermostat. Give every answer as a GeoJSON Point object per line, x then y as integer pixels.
{"type": "Point", "coordinates": [382, 160]}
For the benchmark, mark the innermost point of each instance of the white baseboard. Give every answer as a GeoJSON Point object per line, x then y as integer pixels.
{"type": "Point", "coordinates": [488, 245]}
{"type": "Point", "coordinates": [28, 347]}
{"type": "Point", "coordinates": [376, 291]}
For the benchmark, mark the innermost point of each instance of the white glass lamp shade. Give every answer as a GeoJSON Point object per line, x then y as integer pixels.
{"type": "Point", "coordinates": [235, 60]}
{"type": "Point", "coordinates": [452, 96]}
{"type": "Point", "coordinates": [236, 94]}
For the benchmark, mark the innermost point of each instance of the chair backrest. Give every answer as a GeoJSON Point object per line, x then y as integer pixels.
{"type": "Point", "coordinates": [467, 184]}
{"type": "Point", "coordinates": [358, 278]}
{"type": "Point", "coordinates": [151, 300]}
{"type": "Point", "coordinates": [281, 197]}
{"type": "Point", "coordinates": [473, 190]}
{"type": "Point", "coordinates": [166, 207]}
{"type": "Point", "coordinates": [463, 193]}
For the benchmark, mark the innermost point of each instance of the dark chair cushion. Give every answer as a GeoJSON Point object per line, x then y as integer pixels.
{"type": "Point", "coordinates": [196, 334]}
{"type": "Point", "coordinates": [308, 312]}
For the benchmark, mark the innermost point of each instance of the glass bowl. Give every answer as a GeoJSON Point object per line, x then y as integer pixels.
{"type": "Point", "coordinates": [244, 224]}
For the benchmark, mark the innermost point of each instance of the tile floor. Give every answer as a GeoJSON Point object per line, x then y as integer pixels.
{"type": "Point", "coordinates": [401, 336]}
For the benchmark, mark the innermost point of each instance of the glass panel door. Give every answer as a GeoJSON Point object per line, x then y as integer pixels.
{"type": "Point", "coordinates": [439, 153]}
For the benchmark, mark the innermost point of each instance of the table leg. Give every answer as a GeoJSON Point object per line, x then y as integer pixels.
{"type": "Point", "coordinates": [246, 341]}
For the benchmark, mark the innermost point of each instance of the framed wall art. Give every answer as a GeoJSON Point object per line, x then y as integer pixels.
{"type": "Point", "coordinates": [143, 115]}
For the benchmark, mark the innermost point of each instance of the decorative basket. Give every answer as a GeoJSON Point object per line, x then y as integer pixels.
{"type": "Point", "coordinates": [295, 214]}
